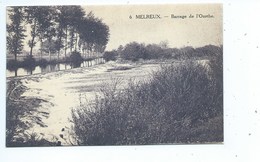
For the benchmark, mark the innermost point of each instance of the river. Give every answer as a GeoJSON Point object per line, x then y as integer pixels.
{"type": "Point", "coordinates": [51, 68]}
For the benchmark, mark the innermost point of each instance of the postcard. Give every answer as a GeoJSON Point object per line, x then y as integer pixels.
{"type": "Point", "coordinates": [114, 75]}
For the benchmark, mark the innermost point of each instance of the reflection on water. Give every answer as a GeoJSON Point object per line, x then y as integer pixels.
{"type": "Point", "coordinates": [51, 68]}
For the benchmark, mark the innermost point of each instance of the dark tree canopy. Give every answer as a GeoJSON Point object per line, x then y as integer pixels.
{"type": "Point", "coordinates": [94, 34]}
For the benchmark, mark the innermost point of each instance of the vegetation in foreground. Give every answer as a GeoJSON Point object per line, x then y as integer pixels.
{"type": "Point", "coordinates": [181, 103]}
{"type": "Point", "coordinates": [18, 107]}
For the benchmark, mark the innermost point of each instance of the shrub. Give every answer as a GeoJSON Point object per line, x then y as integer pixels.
{"type": "Point", "coordinates": [76, 59]}
{"type": "Point", "coordinates": [180, 103]}
{"type": "Point", "coordinates": [134, 51]}
{"type": "Point", "coordinates": [42, 62]}
{"type": "Point", "coordinates": [154, 50]}
{"type": "Point", "coordinates": [12, 65]}
{"type": "Point", "coordinates": [110, 56]}
{"type": "Point", "coordinates": [28, 62]}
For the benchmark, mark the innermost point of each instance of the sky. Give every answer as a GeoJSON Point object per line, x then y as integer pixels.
{"type": "Point", "coordinates": [178, 32]}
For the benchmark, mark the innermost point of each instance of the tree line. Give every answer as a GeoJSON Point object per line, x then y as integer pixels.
{"type": "Point", "coordinates": [135, 51]}
{"type": "Point", "coordinates": [56, 28]}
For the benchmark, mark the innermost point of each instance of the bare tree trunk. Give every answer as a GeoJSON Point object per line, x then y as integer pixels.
{"type": "Point", "coordinates": [66, 41]}
{"type": "Point", "coordinates": [15, 72]}
{"type": "Point", "coordinates": [49, 55]}
{"type": "Point", "coordinates": [76, 43]}
{"type": "Point", "coordinates": [58, 55]}
{"type": "Point", "coordinates": [15, 56]}
{"type": "Point", "coordinates": [59, 48]}
{"type": "Point", "coordinates": [71, 39]}
{"type": "Point", "coordinates": [33, 37]}
{"type": "Point", "coordinates": [41, 48]}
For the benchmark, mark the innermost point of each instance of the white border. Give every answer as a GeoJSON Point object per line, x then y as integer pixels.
{"type": "Point", "coordinates": [241, 97]}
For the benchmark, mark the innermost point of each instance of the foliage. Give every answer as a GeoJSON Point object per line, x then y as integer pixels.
{"type": "Point", "coordinates": [154, 50]}
{"type": "Point", "coordinates": [94, 34]}
{"type": "Point", "coordinates": [49, 46]}
{"type": "Point", "coordinates": [134, 51]}
{"type": "Point", "coordinates": [75, 19]}
{"type": "Point", "coordinates": [181, 103]}
{"type": "Point", "coordinates": [15, 31]}
{"type": "Point", "coordinates": [76, 59]}
{"type": "Point", "coordinates": [33, 15]}
{"type": "Point", "coordinates": [42, 63]}
{"type": "Point", "coordinates": [29, 61]}
{"type": "Point", "coordinates": [55, 27]}
{"type": "Point", "coordinates": [12, 65]}
{"type": "Point", "coordinates": [110, 56]}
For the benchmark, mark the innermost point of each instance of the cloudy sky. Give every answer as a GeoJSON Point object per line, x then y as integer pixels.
{"type": "Point", "coordinates": [178, 32]}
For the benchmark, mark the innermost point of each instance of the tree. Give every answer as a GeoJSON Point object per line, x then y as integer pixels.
{"type": "Point", "coordinates": [60, 19]}
{"type": "Point", "coordinates": [134, 51]}
{"type": "Point", "coordinates": [68, 19]}
{"type": "Point", "coordinates": [63, 20]}
{"type": "Point", "coordinates": [120, 49]}
{"type": "Point", "coordinates": [49, 46]}
{"type": "Point", "coordinates": [46, 28]}
{"type": "Point", "coordinates": [155, 51]}
{"type": "Point", "coordinates": [164, 44]}
{"type": "Point", "coordinates": [75, 19]}
{"type": "Point", "coordinates": [110, 55]}
{"type": "Point", "coordinates": [32, 12]}
{"type": "Point", "coordinates": [41, 19]}
{"type": "Point", "coordinates": [15, 31]}
{"type": "Point", "coordinates": [50, 33]}
{"type": "Point", "coordinates": [94, 34]}
{"type": "Point", "coordinates": [102, 36]}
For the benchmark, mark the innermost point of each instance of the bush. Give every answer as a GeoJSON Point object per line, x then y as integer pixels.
{"type": "Point", "coordinates": [110, 56]}
{"type": "Point", "coordinates": [134, 51]}
{"type": "Point", "coordinates": [29, 61]}
{"type": "Point", "coordinates": [12, 65]}
{"type": "Point", "coordinates": [179, 104]}
{"type": "Point", "coordinates": [76, 59]}
{"type": "Point", "coordinates": [42, 63]}
{"type": "Point", "coordinates": [154, 51]}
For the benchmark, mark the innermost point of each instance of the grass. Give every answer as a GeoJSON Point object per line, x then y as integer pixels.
{"type": "Point", "coordinates": [181, 103]}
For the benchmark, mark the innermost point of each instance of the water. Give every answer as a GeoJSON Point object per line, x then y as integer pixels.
{"type": "Point", "coordinates": [51, 68]}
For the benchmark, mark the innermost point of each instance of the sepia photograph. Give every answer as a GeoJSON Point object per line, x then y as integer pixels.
{"type": "Point", "coordinates": [110, 75]}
